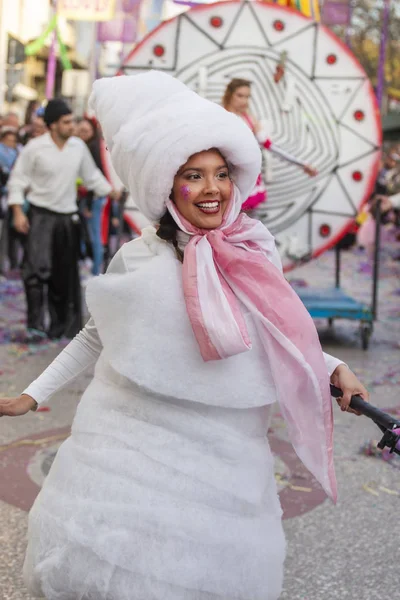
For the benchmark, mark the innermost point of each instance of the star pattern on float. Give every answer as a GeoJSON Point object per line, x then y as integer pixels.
{"type": "Point", "coordinates": [332, 121]}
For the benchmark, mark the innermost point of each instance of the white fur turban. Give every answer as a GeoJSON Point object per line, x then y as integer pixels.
{"type": "Point", "coordinates": [152, 123]}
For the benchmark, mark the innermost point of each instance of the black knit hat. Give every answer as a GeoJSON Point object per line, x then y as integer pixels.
{"type": "Point", "coordinates": [55, 109]}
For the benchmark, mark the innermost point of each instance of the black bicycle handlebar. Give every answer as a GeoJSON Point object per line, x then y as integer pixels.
{"type": "Point", "coordinates": [358, 404]}
{"type": "Point", "coordinates": [385, 422]}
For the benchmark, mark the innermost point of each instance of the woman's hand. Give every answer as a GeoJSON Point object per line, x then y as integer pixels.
{"type": "Point", "coordinates": [21, 222]}
{"type": "Point", "coordinates": [345, 380]}
{"type": "Point", "coordinates": [115, 195]}
{"type": "Point", "coordinates": [310, 171]}
{"type": "Point", "coordinates": [14, 407]}
{"type": "Point", "coordinates": [279, 72]}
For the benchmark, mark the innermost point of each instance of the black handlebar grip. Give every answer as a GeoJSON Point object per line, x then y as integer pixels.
{"type": "Point", "coordinates": [366, 409]}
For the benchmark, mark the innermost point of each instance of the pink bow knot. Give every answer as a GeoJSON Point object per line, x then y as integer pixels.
{"type": "Point", "coordinates": [216, 234]}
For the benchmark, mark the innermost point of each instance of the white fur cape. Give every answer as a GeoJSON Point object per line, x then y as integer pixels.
{"type": "Point", "coordinates": [153, 123]}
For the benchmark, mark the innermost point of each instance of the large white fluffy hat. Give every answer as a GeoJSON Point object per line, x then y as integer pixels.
{"type": "Point", "coordinates": [153, 123]}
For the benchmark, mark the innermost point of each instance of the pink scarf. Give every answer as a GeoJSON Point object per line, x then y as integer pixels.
{"type": "Point", "coordinates": [229, 266]}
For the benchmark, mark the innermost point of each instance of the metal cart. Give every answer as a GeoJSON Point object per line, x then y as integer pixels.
{"type": "Point", "coordinates": [334, 303]}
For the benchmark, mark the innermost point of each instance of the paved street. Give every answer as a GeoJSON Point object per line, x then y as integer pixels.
{"type": "Point", "coordinates": [345, 552]}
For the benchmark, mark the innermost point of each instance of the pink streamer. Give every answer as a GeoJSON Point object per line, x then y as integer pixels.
{"type": "Point", "coordinates": [51, 68]}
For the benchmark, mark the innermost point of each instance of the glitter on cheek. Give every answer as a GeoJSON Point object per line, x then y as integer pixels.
{"type": "Point", "coordinates": [185, 191]}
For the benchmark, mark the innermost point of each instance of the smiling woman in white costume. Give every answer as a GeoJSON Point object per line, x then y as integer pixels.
{"type": "Point", "coordinates": [165, 489]}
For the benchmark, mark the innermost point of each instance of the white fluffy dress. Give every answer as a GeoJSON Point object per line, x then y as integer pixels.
{"type": "Point", "coordinates": [177, 502]}
{"type": "Point", "coordinates": [165, 489]}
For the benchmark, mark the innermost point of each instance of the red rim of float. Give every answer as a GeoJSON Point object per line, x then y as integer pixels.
{"type": "Point", "coordinates": [374, 169]}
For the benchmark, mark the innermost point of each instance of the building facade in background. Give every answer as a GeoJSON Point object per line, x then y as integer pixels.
{"type": "Point", "coordinates": [24, 78]}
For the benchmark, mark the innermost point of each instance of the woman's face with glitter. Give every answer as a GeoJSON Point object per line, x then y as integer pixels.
{"type": "Point", "coordinates": [202, 189]}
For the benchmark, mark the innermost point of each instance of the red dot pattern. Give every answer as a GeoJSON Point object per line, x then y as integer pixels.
{"type": "Point", "coordinates": [357, 176]}
{"type": "Point", "coordinates": [216, 22]}
{"type": "Point", "coordinates": [324, 230]}
{"type": "Point", "coordinates": [359, 115]}
{"type": "Point", "coordinates": [279, 25]}
{"type": "Point", "coordinates": [331, 59]}
{"type": "Point", "coordinates": [159, 51]}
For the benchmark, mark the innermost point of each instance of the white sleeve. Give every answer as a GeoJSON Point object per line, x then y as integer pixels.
{"type": "Point", "coordinates": [20, 177]}
{"type": "Point", "coordinates": [80, 354]}
{"type": "Point", "coordinates": [332, 362]}
{"type": "Point", "coordinates": [265, 141]}
{"type": "Point", "coordinates": [285, 155]}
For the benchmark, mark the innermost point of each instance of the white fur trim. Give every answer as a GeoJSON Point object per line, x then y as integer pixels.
{"type": "Point", "coordinates": [153, 123]}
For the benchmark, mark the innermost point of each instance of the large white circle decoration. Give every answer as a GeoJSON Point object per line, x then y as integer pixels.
{"type": "Point", "coordinates": [332, 122]}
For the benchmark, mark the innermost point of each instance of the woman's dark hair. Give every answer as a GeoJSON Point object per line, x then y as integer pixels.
{"type": "Point", "coordinates": [168, 231]}
{"type": "Point", "coordinates": [32, 107]}
{"type": "Point", "coordinates": [231, 88]}
{"type": "Point", "coordinates": [94, 127]}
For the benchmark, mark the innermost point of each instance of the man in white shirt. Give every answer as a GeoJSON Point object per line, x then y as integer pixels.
{"type": "Point", "coordinates": [47, 170]}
